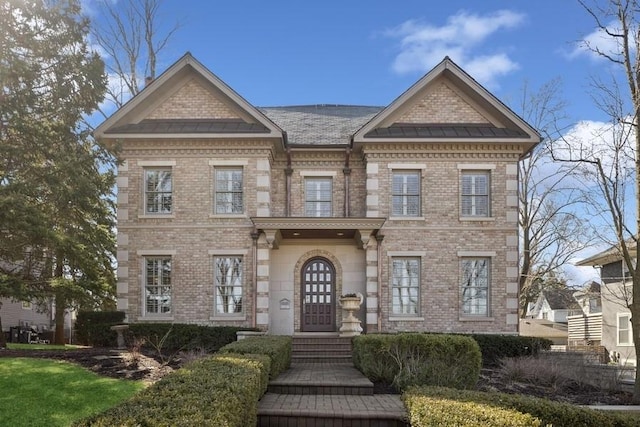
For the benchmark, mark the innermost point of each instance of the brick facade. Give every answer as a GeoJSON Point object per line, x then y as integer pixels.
{"type": "Point", "coordinates": [275, 239]}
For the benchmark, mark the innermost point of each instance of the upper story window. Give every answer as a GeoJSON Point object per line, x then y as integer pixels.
{"type": "Point", "coordinates": [318, 193]}
{"type": "Point", "coordinates": [157, 287]}
{"type": "Point", "coordinates": [475, 286]}
{"type": "Point", "coordinates": [228, 190]}
{"type": "Point", "coordinates": [475, 194]}
{"type": "Point", "coordinates": [405, 193]}
{"type": "Point", "coordinates": [158, 191]}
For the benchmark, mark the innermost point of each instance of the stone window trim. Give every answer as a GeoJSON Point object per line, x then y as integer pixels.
{"type": "Point", "coordinates": [476, 170]}
{"type": "Point", "coordinates": [469, 256]}
{"type": "Point", "coordinates": [624, 327]}
{"type": "Point", "coordinates": [405, 296]}
{"type": "Point", "coordinates": [146, 255]}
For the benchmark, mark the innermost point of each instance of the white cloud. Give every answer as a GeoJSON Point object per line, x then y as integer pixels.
{"type": "Point", "coordinates": [597, 40]}
{"type": "Point", "coordinates": [423, 45]}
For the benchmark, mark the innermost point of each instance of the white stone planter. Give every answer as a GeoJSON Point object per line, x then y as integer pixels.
{"type": "Point", "coordinates": [350, 323]}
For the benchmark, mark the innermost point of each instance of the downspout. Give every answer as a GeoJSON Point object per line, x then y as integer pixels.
{"type": "Point", "coordinates": [288, 172]}
{"type": "Point", "coordinates": [379, 239]}
{"type": "Point", "coordinates": [254, 237]}
{"type": "Point", "coordinates": [347, 180]}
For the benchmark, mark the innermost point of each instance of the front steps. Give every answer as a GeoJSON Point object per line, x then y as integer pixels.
{"type": "Point", "coordinates": [325, 348]}
{"type": "Point", "coordinates": [322, 388]}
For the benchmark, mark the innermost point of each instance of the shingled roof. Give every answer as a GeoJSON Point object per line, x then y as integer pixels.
{"type": "Point", "coordinates": [560, 299]}
{"type": "Point", "coordinates": [320, 124]}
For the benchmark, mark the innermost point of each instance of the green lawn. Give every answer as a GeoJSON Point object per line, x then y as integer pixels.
{"type": "Point", "coordinates": [15, 346]}
{"type": "Point", "coordinates": [41, 392]}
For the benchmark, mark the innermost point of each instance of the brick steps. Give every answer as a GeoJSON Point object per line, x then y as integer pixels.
{"type": "Point", "coordinates": [322, 388]}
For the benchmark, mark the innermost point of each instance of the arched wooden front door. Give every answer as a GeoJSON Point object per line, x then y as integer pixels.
{"type": "Point", "coordinates": [318, 296]}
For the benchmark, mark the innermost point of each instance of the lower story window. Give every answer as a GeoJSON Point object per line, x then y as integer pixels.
{"type": "Point", "coordinates": [624, 329]}
{"type": "Point", "coordinates": [158, 285]}
{"type": "Point", "coordinates": [228, 284]}
{"type": "Point", "coordinates": [405, 286]}
{"type": "Point", "coordinates": [475, 286]}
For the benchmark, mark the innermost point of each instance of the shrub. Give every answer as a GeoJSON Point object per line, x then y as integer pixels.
{"type": "Point", "coordinates": [419, 359]}
{"type": "Point", "coordinates": [221, 390]}
{"type": "Point", "coordinates": [427, 411]}
{"type": "Point", "coordinates": [178, 336]}
{"type": "Point", "coordinates": [93, 327]}
{"type": "Point", "coordinates": [277, 348]}
{"type": "Point", "coordinates": [497, 347]}
{"type": "Point", "coordinates": [547, 412]}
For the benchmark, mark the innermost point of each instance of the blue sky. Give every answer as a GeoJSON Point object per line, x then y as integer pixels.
{"type": "Point", "coordinates": [369, 52]}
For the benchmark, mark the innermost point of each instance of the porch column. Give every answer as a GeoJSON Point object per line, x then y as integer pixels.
{"type": "Point", "coordinates": [373, 297]}
{"type": "Point", "coordinates": [262, 283]}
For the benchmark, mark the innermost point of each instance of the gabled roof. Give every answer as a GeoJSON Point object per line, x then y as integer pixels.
{"type": "Point", "coordinates": [613, 254]}
{"type": "Point", "coordinates": [238, 118]}
{"type": "Point", "coordinates": [494, 120]}
{"type": "Point", "coordinates": [560, 299]}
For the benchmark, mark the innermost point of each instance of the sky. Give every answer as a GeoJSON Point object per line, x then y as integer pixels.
{"type": "Point", "coordinates": [356, 52]}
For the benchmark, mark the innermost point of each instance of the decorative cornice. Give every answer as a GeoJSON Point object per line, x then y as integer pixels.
{"type": "Point", "coordinates": [317, 223]}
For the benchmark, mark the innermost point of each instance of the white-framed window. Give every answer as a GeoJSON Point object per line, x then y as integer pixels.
{"type": "Point", "coordinates": [624, 329]}
{"type": "Point", "coordinates": [474, 291]}
{"type": "Point", "coordinates": [157, 285]}
{"type": "Point", "coordinates": [229, 193]}
{"type": "Point", "coordinates": [228, 284]}
{"type": "Point", "coordinates": [475, 197]}
{"type": "Point", "coordinates": [405, 193]}
{"type": "Point", "coordinates": [158, 190]}
{"type": "Point", "coordinates": [26, 305]}
{"type": "Point", "coordinates": [405, 286]}
{"type": "Point", "coordinates": [318, 196]}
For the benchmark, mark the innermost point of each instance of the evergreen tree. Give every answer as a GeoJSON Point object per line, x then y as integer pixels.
{"type": "Point", "coordinates": [56, 214]}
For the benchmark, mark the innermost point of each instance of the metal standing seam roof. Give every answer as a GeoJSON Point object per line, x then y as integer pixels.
{"type": "Point", "coordinates": [177, 126]}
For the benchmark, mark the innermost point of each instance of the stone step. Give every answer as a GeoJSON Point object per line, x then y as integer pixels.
{"type": "Point", "coordinates": [381, 410]}
{"type": "Point", "coordinates": [314, 359]}
{"type": "Point", "coordinates": [321, 378]}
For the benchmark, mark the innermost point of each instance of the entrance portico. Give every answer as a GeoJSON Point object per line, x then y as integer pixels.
{"type": "Point", "coordinates": [303, 265]}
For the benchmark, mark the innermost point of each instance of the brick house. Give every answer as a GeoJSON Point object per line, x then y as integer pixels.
{"type": "Point", "coordinates": [230, 214]}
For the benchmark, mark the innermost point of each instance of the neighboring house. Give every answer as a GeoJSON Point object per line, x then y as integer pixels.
{"type": "Point", "coordinates": [554, 305]}
{"type": "Point", "coordinates": [230, 214]}
{"type": "Point", "coordinates": [541, 328]}
{"type": "Point", "coordinates": [25, 315]}
{"type": "Point", "coordinates": [615, 317]}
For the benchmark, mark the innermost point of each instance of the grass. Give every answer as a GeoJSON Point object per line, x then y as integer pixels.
{"type": "Point", "coordinates": [15, 346]}
{"type": "Point", "coordinates": [41, 392]}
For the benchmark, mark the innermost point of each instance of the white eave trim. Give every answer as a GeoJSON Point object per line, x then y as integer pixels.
{"type": "Point", "coordinates": [189, 135]}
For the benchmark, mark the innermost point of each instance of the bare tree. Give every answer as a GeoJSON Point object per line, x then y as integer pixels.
{"type": "Point", "coordinates": [551, 231]}
{"type": "Point", "coordinates": [129, 34]}
{"type": "Point", "coordinates": [608, 157]}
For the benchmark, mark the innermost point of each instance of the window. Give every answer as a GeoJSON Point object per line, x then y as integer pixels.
{"type": "Point", "coordinates": [475, 194]}
{"type": "Point", "coordinates": [475, 286]}
{"type": "Point", "coordinates": [26, 305]}
{"type": "Point", "coordinates": [624, 329]}
{"type": "Point", "coordinates": [157, 285]}
{"type": "Point", "coordinates": [405, 193]}
{"type": "Point", "coordinates": [318, 197]}
{"type": "Point", "coordinates": [158, 191]}
{"type": "Point", "coordinates": [228, 284]}
{"type": "Point", "coordinates": [405, 286]}
{"type": "Point", "coordinates": [228, 191]}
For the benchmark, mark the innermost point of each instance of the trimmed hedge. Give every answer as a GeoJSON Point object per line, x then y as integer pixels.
{"type": "Point", "coordinates": [180, 336]}
{"type": "Point", "coordinates": [220, 391]}
{"type": "Point", "coordinates": [408, 359]}
{"type": "Point", "coordinates": [93, 327]}
{"type": "Point", "coordinates": [497, 347]}
{"type": "Point", "coordinates": [448, 403]}
{"type": "Point", "coordinates": [277, 348]}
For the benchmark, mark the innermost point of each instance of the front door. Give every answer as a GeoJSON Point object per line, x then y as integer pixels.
{"type": "Point", "coordinates": [318, 296]}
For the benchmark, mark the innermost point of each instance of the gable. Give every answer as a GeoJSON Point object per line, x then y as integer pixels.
{"type": "Point", "coordinates": [447, 105]}
{"type": "Point", "coordinates": [193, 101]}
{"type": "Point", "coordinates": [187, 101]}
